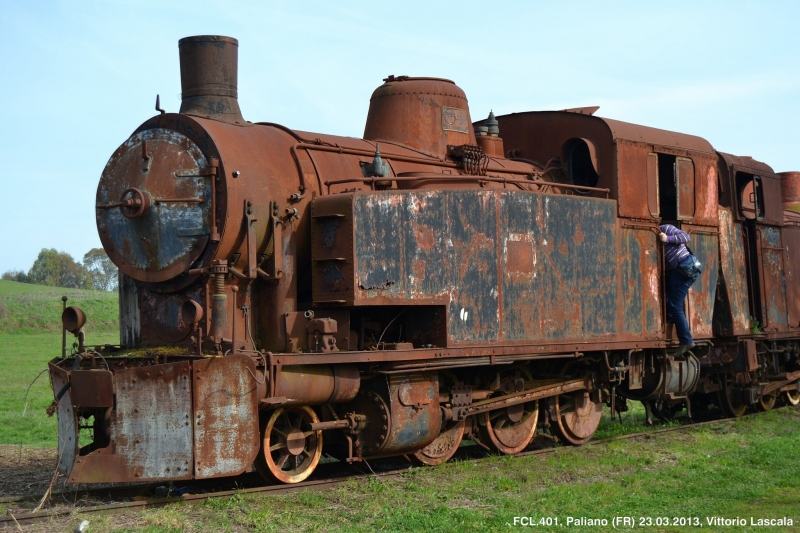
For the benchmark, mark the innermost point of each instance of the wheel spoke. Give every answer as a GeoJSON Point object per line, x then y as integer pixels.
{"type": "Point", "coordinates": [282, 460]}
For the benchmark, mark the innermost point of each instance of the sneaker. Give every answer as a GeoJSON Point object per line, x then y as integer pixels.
{"type": "Point", "coordinates": [682, 349]}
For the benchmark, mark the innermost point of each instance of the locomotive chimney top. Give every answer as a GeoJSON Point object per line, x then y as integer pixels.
{"type": "Point", "coordinates": [209, 72]}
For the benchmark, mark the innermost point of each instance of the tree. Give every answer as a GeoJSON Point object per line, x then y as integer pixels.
{"type": "Point", "coordinates": [102, 269]}
{"type": "Point", "coordinates": [59, 269]}
{"type": "Point", "coordinates": [16, 275]}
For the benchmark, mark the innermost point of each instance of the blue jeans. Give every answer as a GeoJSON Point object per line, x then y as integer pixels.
{"type": "Point", "coordinates": [677, 289]}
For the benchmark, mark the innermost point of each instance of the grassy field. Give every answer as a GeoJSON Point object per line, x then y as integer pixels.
{"type": "Point", "coordinates": [22, 358]}
{"type": "Point", "coordinates": [27, 308]}
{"type": "Point", "coordinates": [744, 469]}
{"type": "Point", "coordinates": [30, 335]}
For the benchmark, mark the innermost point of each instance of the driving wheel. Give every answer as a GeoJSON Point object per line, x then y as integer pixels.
{"type": "Point", "coordinates": [576, 416]}
{"type": "Point", "coordinates": [442, 448]}
{"type": "Point", "coordinates": [792, 398]}
{"type": "Point", "coordinates": [767, 402]}
{"type": "Point", "coordinates": [510, 430]}
{"type": "Point", "coordinates": [729, 400]}
{"type": "Point", "coordinates": [290, 450]}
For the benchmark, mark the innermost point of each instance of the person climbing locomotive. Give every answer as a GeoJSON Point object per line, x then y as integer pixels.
{"type": "Point", "coordinates": [682, 269]}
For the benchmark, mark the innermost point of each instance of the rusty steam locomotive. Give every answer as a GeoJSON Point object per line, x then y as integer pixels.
{"type": "Point", "coordinates": [286, 294]}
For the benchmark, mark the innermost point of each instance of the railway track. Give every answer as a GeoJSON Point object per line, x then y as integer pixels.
{"type": "Point", "coordinates": [336, 476]}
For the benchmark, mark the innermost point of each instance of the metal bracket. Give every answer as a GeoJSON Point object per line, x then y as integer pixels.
{"type": "Point", "coordinates": [250, 220]}
{"type": "Point", "coordinates": [147, 158]}
{"type": "Point", "coordinates": [273, 269]}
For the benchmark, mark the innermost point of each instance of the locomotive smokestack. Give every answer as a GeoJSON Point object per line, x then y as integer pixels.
{"type": "Point", "coordinates": [209, 72]}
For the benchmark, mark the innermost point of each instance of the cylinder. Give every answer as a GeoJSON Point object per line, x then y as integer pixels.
{"type": "Point", "coordinates": [491, 146]}
{"type": "Point", "coordinates": [219, 316]}
{"type": "Point", "coordinates": [681, 376]}
{"type": "Point", "coordinates": [318, 384]}
{"type": "Point", "coordinates": [209, 78]}
{"type": "Point", "coordinates": [790, 191]}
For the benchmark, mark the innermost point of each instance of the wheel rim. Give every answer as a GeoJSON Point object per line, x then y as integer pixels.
{"type": "Point", "coordinates": [290, 451]}
{"type": "Point", "coordinates": [767, 402]}
{"type": "Point", "coordinates": [728, 400]}
{"type": "Point", "coordinates": [793, 398]}
{"type": "Point", "coordinates": [443, 447]}
{"type": "Point", "coordinates": [576, 416]}
{"type": "Point", "coordinates": [510, 430]}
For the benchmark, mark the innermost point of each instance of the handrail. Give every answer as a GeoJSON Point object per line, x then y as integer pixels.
{"type": "Point", "coordinates": [449, 177]}
{"type": "Point", "coordinates": [323, 146]}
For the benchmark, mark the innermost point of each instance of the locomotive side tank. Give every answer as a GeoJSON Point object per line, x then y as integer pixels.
{"type": "Point", "coordinates": [285, 294]}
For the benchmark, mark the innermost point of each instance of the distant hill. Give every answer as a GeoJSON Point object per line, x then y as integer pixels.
{"type": "Point", "coordinates": [28, 308]}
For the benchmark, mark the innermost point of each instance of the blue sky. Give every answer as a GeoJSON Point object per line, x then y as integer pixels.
{"type": "Point", "coordinates": [79, 77]}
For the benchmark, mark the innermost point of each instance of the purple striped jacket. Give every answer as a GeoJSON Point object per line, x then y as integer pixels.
{"type": "Point", "coordinates": [675, 249]}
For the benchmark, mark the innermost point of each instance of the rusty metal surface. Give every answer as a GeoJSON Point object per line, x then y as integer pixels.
{"type": "Point", "coordinates": [316, 384]}
{"type": "Point", "coordinates": [161, 318]}
{"type": "Point", "coordinates": [468, 355]}
{"type": "Point", "coordinates": [773, 205]}
{"type": "Point", "coordinates": [791, 240]}
{"type": "Point", "coordinates": [640, 287]}
{"type": "Point", "coordinates": [685, 173]}
{"type": "Point", "coordinates": [151, 430]}
{"type": "Point", "coordinates": [734, 275]}
{"type": "Point", "coordinates": [771, 185]}
{"type": "Point", "coordinates": [92, 388]}
{"type": "Point", "coordinates": [774, 288]}
{"type": "Point", "coordinates": [702, 294]}
{"type": "Point", "coordinates": [226, 434]}
{"type": "Point", "coordinates": [443, 447]}
{"type": "Point", "coordinates": [414, 406]}
{"type": "Point", "coordinates": [509, 266]}
{"type": "Point", "coordinates": [153, 424]}
{"type": "Point", "coordinates": [435, 114]}
{"type": "Point", "coordinates": [168, 237]}
{"type": "Point", "coordinates": [209, 72]}
{"type": "Point", "coordinates": [622, 154]}
{"type": "Point", "coordinates": [747, 163]}
{"type": "Point", "coordinates": [575, 415]}
{"type": "Point", "coordinates": [790, 191]}
{"type": "Point", "coordinates": [67, 419]}
{"type": "Point", "coordinates": [568, 294]}
{"type": "Point", "coordinates": [648, 135]}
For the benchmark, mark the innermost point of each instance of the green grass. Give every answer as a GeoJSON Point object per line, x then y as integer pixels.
{"type": "Point", "coordinates": [22, 358]}
{"type": "Point", "coordinates": [30, 335]}
{"type": "Point", "coordinates": [28, 308]}
{"type": "Point", "coordinates": [742, 469]}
